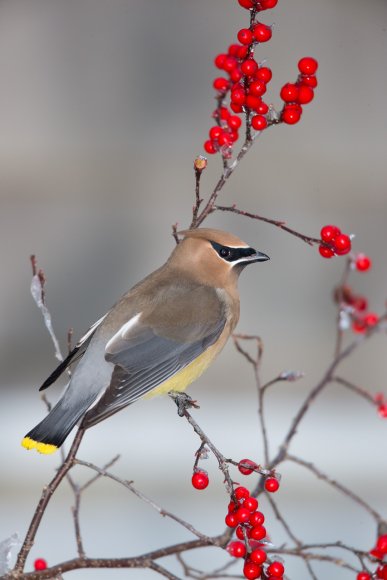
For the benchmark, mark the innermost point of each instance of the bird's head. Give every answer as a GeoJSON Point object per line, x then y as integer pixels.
{"type": "Point", "coordinates": [214, 257]}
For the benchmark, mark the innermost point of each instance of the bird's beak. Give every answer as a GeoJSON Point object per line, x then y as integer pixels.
{"type": "Point", "coordinates": [256, 257]}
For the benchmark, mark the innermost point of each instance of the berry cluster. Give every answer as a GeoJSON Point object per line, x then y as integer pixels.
{"type": "Point", "coordinates": [299, 93]}
{"type": "Point", "coordinates": [246, 82]}
{"type": "Point", "coordinates": [243, 515]}
{"type": "Point", "coordinates": [380, 552]}
{"type": "Point", "coordinates": [40, 564]}
{"type": "Point", "coordinates": [246, 467]}
{"type": "Point", "coordinates": [334, 242]}
{"type": "Point", "coordinates": [354, 311]}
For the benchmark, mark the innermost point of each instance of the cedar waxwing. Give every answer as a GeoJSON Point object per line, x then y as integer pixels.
{"type": "Point", "coordinates": [159, 337]}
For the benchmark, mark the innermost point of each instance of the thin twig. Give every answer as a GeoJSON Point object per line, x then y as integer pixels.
{"type": "Point", "coordinates": [320, 387]}
{"type": "Point", "coordinates": [338, 486]}
{"type": "Point", "coordinates": [355, 389]}
{"type": "Point", "coordinates": [143, 497]}
{"type": "Point", "coordinates": [44, 500]}
{"type": "Point", "coordinates": [279, 224]}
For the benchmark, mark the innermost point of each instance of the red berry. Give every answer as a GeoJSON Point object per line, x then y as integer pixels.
{"type": "Point", "coordinates": [381, 544]}
{"type": "Point", "coordinates": [209, 147]}
{"type": "Point", "coordinates": [329, 233]}
{"type": "Point", "coordinates": [326, 252]}
{"type": "Point", "coordinates": [381, 572]}
{"type": "Point", "coordinates": [233, 50]}
{"type": "Point", "coordinates": [257, 533]}
{"type": "Point", "coordinates": [251, 571]}
{"type": "Point", "coordinates": [308, 65]}
{"type": "Point", "coordinates": [267, 4]}
{"type": "Point", "coordinates": [251, 504]}
{"type": "Point", "coordinates": [259, 122]}
{"type": "Point", "coordinates": [239, 533]}
{"type": "Point", "coordinates": [224, 139]}
{"type": "Point", "coordinates": [234, 136]}
{"type": "Point", "coordinates": [252, 102]}
{"type": "Point", "coordinates": [220, 84]}
{"type": "Point", "coordinates": [363, 576]}
{"type": "Point", "coordinates": [291, 114]}
{"type": "Point", "coordinates": [258, 556]}
{"type": "Point", "coordinates": [360, 303]}
{"type": "Point", "coordinates": [224, 113]}
{"type": "Point", "coordinates": [245, 36]}
{"type": "Point", "coordinates": [276, 569]}
{"type": "Point", "coordinates": [262, 33]}
{"type": "Point", "coordinates": [257, 519]}
{"type": "Point", "coordinates": [246, 466]}
{"type": "Point", "coordinates": [242, 515]}
{"type": "Point", "coordinates": [305, 95]}
{"type": "Point", "coordinates": [243, 52]}
{"type": "Point", "coordinates": [236, 108]}
{"type": "Point", "coordinates": [40, 564]}
{"type": "Point", "coordinates": [248, 4]}
{"type": "Point", "coordinates": [308, 81]}
{"type": "Point", "coordinates": [241, 492]}
{"type": "Point", "coordinates": [264, 74]}
{"type": "Point", "coordinates": [382, 410]}
{"type": "Point", "coordinates": [363, 263]}
{"type": "Point", "coordinates": [249, 67]}
{"type": "Point", "coordinates": [220, 60]}
{"type": "Point", "coordinates": [234, 122]}
{"type": "Point", "coordinates": [232, 506]}
{"type": "Point", "coordinates": [371, 319]}
{"type": "Point", "coordinates": [342, 244]}
{"type": "Point", "coordinates": [359, 325]}
{"type": "Point", "coordinates": [289, 93]}
{"type": "Point", "coordinates": [272, 484]}
{"type": "Point", "coordinates": [236, 75]}
{"type": "Point", "coordinates": [214, 132]}
{"type": "Point", "coordinates": [230, 64]}
{"type": "Point", "coordinates": [238, 96]}
{"type": "Point", "coordinates": [231, 520]}
{"type": "Point", "coordinates": [262, 108]}
{"type": "Point", "coordinates": [200, 480]}
{"type": "Point", "coordinates": [257, 88]}
{"type": "Point", "coordinates": [236, 549]}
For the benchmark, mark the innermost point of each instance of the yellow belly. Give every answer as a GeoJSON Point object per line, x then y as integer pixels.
{"type": "Point", "coordinates": [182, 379]}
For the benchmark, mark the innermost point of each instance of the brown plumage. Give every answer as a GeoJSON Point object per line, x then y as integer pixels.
{"type": "Point", "coordinates": [160, 336]}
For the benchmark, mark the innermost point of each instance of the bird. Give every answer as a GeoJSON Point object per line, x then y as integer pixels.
{"type": "Point", "coordinates": [159, 337]}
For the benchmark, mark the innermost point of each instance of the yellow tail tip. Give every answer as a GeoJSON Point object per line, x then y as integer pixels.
{"type": "Point", "coordinates": [46, 448]}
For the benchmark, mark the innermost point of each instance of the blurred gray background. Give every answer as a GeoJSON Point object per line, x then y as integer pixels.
{"type": "Point", "coordinates": [103, 107]}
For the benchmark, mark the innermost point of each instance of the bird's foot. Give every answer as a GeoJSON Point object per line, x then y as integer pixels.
{"type": "Point", "coordinates": [183, 402]}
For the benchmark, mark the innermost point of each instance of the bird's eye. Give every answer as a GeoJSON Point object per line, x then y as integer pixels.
{"type": "Point", "coordinates": [224, 252]}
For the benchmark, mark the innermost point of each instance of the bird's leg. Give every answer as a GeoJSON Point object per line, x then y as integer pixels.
{"type": "Point", "coordinates": [183, 402]}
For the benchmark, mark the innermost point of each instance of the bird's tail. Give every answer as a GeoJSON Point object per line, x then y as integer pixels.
{"type": "Point", "coordinates": [50, 433]}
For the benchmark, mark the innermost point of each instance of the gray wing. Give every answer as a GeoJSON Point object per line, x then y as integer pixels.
{"type": "Point", "coordinates": [147, 353]}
